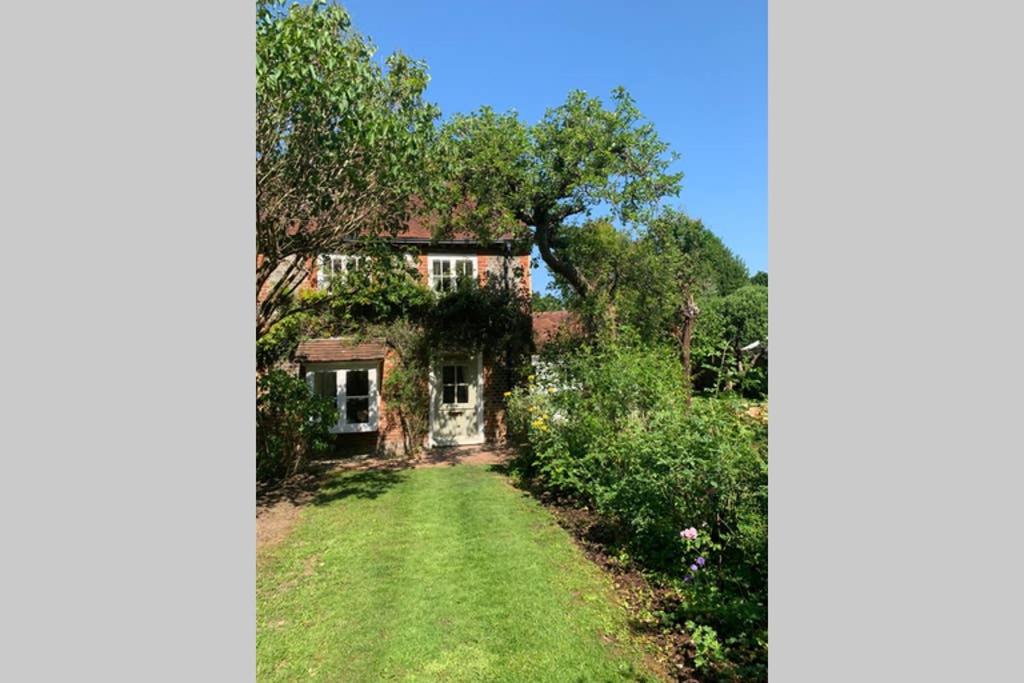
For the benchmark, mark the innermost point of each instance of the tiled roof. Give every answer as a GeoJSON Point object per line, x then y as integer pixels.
{"type": "Point", "coordinates": [339, 349]}
{"type": "Point", "coordinates": [549, 323]}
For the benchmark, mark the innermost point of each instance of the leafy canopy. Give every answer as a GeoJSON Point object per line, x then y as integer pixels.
{"type": "Point", "coordinates": [539, 180]}
{"type": "Point", "coordinates": [342, 142]}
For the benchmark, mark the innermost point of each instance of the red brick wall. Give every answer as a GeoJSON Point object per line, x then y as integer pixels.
{"type": "Point", "coordinates": [495, 385]}
{"type": "Point", "coordinates": [421, 265]}
{"type": "Point", "coordinates": [388, 438]}
{"type": "Point", "coordinates": [524, 263]}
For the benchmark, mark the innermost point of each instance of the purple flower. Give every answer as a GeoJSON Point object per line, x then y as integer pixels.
{"type": "Point", "coordinates": [700, 561]}
{"type": "Point", "coordinates": [687, 577]}
{"type": "Point", "coordinates": [693, 567]}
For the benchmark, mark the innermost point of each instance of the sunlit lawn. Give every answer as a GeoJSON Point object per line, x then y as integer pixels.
{"type": "Point", "coordinates": [437, 574]}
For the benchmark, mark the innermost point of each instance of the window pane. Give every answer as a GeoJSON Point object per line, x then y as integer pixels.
{"type": "Point", "coordinates": [326, 384]}
{"type": "Point", "coordinates": [460, 377]}
{"type": "Point", "coordinates": [357, 410]}
{"type": "Point", "coordinates": [357, 383]}
{"type": "Point", "coordinates": [448, 374]}
{"type": "Point", "coordinates": [462, 393]}
{"type": "Point", "coordinates": [448, 394]}
{"type": "Point", "coordinates": [437, 267]}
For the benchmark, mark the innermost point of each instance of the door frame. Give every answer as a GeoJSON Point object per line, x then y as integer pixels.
{"type": "Point", "coordinates": [432, 381]}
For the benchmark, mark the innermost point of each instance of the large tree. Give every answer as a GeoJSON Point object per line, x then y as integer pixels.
{"type": "Point", "coordinates": [651, 279]}
{"type": "Point", "coordinates": [342, 144]}
{"type": "Point", "coordinates": [679, 262]}
{"type": "Point", "coordinates": [546, 178]}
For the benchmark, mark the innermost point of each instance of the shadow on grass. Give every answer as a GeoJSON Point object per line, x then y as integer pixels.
{"type": "Point", "coordinates": [366, 484]}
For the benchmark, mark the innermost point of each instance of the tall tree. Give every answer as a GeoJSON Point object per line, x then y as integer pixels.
{"type": "Point", "coordinates": [580, 158]}
{"type": "Point", "coordinates": [342, 143]}
{"type": "Point", "coordinates": [678, 261]}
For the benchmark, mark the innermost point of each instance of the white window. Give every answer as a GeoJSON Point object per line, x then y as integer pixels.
{"type": "Point", "coordinates": [336, 264]}
{"type": "Point", "coordinates": [447, 271]}
{"type": "Point", "coordinates": [353, 386]}
{"type": "Point", "coordinates": [454, 388]}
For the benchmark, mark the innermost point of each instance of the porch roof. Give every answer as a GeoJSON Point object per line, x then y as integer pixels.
{"type": "Point", "coordinates": [337, 349]}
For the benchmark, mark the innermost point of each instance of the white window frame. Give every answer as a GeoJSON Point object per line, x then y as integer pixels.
{"type": "Point", "coordinates": [340, 370]}
{"type": "Point", "coordinates": [345, 261]}
{"type": "Point", "coordinates": [452, 258]}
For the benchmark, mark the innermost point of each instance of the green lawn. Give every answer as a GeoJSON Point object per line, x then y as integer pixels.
{"type": "Point", "coordinates": [438, 574]}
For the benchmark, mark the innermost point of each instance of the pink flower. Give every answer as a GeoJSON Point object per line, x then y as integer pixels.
{"type": "Point", "coordinates": [690, 533]}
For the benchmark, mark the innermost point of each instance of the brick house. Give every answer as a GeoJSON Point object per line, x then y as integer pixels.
{"type": "Point", "coordinates": [466, 390]}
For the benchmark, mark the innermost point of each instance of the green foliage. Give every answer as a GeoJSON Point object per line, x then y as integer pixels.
{"type": "Point", "coordinates": [705, 642]}
{"type": "Point", "coordinates": [716, 269]}
{"type": "Point", "coordinates": [343, 142]}
{"type": "Point", "coordinates": [381, 290]}
{"type": "Point", "coordinates": [281, 339]}
{"type": "Point", "coordinates": [645, 279]}
{"type": "Point", "coordinates": [726, 325]}
{"type": "Point", "coordinates": [291, 425]}
{"type": "Point", "coordinates": [759, 278]}
{"type": "Point", "coordinates": [546, 302]}
{"type": "Point", "coordinates": [582, 155]}
{"type": "Point", "coordinates": [676, 259]}
{"type": "Point", "coordinates": [610, 426]}
{"type": "Point", "coordinates": [490, 317]}
{"type": "Point", "coordinates": [405, 383]}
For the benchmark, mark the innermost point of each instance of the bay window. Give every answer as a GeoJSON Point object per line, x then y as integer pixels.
{"type": "Point", "coordinates": [353, 386]}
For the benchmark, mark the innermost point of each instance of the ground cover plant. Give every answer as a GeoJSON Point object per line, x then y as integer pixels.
{"type": "Point", "coordinates": [683, 489]}
{"type": "Point", "coordinates": [443, 573]}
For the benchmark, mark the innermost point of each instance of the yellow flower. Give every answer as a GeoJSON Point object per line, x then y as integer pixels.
{"type": "Point", "coordinates": [531, 379]}
{"type": "Point", "coordinates": [551, 390]}
{"type": "Point", "coordinates": [507, 394]}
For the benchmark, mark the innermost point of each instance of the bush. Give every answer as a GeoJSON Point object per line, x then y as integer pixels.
{"type": "Point", "coordinates": [724, 327]}
{"type": "Point", "coordinates": [611, 427]}
{"type": "Point", "coordinates": [291, 425]}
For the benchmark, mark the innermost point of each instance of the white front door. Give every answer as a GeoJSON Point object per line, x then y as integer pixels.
{"type": "Point", "coordinates": [456, 401]}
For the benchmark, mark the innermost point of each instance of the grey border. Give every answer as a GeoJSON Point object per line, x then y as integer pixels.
{"type": "Point", "coordinates": [895, 142]}
{"type": "Point", "coordinates": [895, 147]}
{"type": "Point", "coordinates": [128, 194]}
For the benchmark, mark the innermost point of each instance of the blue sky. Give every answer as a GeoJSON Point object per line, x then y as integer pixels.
{"type": "Point", "coordinates": [697, 69]}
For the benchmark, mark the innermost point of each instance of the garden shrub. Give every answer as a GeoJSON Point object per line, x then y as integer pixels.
{"type": "Point", "coordinates": [727, 324]}
{"type": "Point", "coordinates": [613, 429]}
{"type": "Point", "coordinates": [291, 425]}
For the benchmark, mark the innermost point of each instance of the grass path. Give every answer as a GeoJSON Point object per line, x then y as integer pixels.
{"type": "Point", "coordinates": [436, 574]}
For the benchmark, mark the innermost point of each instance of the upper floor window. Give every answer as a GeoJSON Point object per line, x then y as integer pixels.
{"type": "Point", "coordinates": [331, 265]}
{"type": "Point", "coordinates": [336, 265]}
{"type": "Point", "coordinates": [447, 271]}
